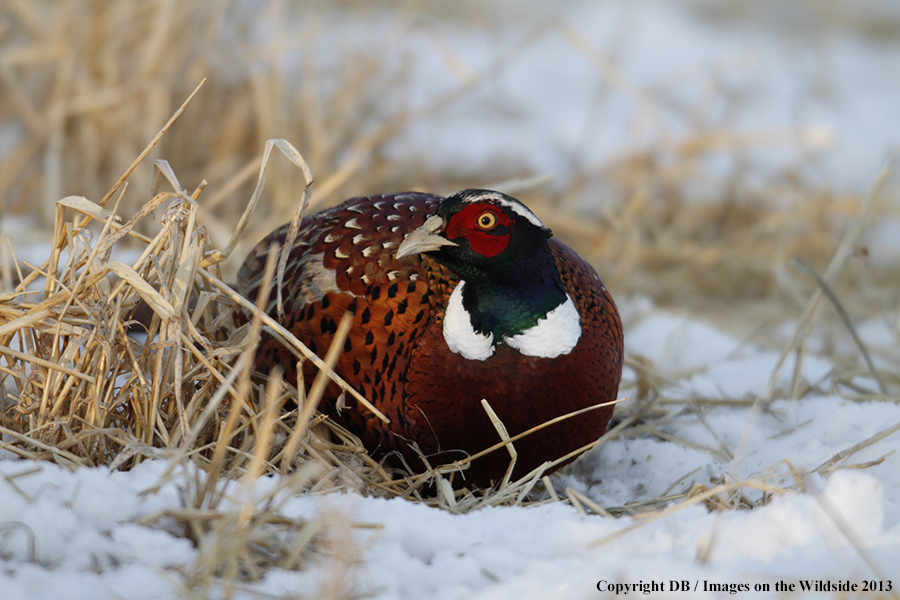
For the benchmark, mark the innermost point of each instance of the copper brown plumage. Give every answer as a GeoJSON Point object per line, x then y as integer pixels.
{"type": "Point", "coordinates": [397, 352]}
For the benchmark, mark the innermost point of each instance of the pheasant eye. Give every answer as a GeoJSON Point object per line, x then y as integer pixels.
{"type": "Point", "coordinates": [487, 220]}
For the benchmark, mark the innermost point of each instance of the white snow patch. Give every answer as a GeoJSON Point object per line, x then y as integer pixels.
{"type": "Point", "coordinates": [678, 343]}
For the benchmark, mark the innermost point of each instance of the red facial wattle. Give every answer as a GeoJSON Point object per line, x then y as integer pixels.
{"type": "Point", "coordinates": [486, 236]}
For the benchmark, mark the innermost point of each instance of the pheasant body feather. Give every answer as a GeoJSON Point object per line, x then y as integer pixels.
{"type": "Point", "coordinates": [454, 301]}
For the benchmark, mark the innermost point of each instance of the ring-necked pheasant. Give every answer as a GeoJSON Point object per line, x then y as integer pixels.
{"type": "Point", "coordinates": [454, 300]}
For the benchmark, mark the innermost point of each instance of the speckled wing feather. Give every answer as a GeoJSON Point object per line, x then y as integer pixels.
{"type": "Point", "coordinates": [343, 259]}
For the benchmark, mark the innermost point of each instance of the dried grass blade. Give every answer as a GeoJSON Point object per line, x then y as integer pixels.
{"type": "Point", "coordinates": [504, 435]}
{"type": "Point", "coordinates": [572, 493]}
{"type": "Point", "coordinates": [839, 308]}
{"type": "Point", "coordinates": [69, 460]}
{"type": "Point", "coordinates": [46, 364]}
{"type": "Point", "coordinates": [317, 390]}
{"type": "Point", "coordinates": [296, 158]}
{"type": "Point", "coordinates": [36, 315]}
{"type": "Point", "coordinates": [700, 497]}
{"type": "Point", "coordinates": [518, 436]}
{"type": "Point", "coordinates": [829, 465]}
{"type": "Point", "coordinates": [152, 143]}
{"type": "Point", "coordinates": [290, 341]}
{"type": "Point", "coordinates": [147, 292]}
{"type": "Point", "coordinates": [86, 207]}
{"type": "Point", "coordinates": [262, 447]}
{"type": "Point", "coordinates": [128, 226]}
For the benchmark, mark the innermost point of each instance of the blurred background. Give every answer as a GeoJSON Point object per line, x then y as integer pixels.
{"type": "Point", "coordinates": [690, 149]}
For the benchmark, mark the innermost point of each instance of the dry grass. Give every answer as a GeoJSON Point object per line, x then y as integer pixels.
{"type": "Point", "coordinates": [80, 390]}
{"type": "Point", "coordinates": [86, 84]}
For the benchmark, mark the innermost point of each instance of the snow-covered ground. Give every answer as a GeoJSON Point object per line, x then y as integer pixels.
{"type": "Point", "coordinates": [79, 535]}
{"type": "Point", "coordinates": [93, 534]}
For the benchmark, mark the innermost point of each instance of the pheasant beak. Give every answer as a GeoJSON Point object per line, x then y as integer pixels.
{"type": "Point", "coordinates": [424, 239]}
